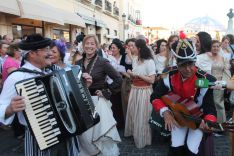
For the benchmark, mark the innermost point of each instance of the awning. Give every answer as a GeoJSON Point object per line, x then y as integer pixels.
{"type": "Point", "coordinates": [88, 20]}
{"type": "Point", "coordinates": [100, 23]}
{"type": "Point", "coordinates": [111, 36]}
{"type": "Point", "coordinates": [10, 7]}
{"type": "Point", "coordinates": [38, 10]}
{"type": "Point", "coordinates": [93, 21]}
{"type": "Point", "coordinates": [72, 18]}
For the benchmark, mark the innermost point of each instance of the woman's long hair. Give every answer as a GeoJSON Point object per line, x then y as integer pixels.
{"type": "Point", "coordinates": [144, 51]}
{"type": "Point", "coordinates": [205, 41]}
{"type": "Point", "coordinates": [119, 45]}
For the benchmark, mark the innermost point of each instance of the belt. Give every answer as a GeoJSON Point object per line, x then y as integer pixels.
{"type": "Point", "coordinates": [140, 83]}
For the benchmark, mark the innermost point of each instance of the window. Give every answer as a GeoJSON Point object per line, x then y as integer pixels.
{"type": "Point", "coordinates": [116, 33]}
{"type": "Point", "coordinates": [58, 34]}
{"type": "Point", "coordinates": [20, 30]}
{"type": "Point", "coordinates": [107, 31]}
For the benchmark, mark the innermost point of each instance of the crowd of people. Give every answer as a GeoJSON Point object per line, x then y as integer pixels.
{"type": "Point", "coordinates": [127, 81]}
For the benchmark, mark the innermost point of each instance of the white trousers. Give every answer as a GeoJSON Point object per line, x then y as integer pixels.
{"type": "Point", "coordinates": [178, 136]}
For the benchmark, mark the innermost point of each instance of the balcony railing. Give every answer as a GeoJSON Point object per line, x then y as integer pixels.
{"type": "Point", "coordinates": [98, 3]}
{"type": "Point", "coordinates": [116, 11]}
{"type": "Point", "coordinates": [108, 6]}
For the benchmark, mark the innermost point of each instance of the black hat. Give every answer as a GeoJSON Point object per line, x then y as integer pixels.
{"type": "Point", "coordinates": [184, 51]}
{"type": "Point", "coordinates": [34, 42]}
{"type": "Point", "coordinates": [80, 37]}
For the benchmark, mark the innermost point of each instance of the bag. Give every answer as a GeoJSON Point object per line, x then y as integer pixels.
{"type": "Point", "coordinates": [157, 123]}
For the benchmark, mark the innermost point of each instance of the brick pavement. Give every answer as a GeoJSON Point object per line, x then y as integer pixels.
{"type": "Point", "coordinates": [127, 147]}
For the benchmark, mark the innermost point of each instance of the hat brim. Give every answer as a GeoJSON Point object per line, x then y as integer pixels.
{"type": "Point", "coordinates": [24, 45]}
{"type": "Point", "coordinates": [181, 62]}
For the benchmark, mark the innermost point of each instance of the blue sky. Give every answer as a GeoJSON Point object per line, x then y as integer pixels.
{"type": "Point", "coordinates": [176, 13]}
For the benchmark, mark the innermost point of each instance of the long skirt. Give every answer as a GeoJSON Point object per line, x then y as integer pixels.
{"type": "Point", "coordinates": [219, 105]}
{"type": "Point", "coordinates": [138, 114]}
{"type": "Point", "coordinates": [102, 138]}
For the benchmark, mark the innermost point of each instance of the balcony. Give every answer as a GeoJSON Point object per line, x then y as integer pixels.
{"type": "Point", "coordinates": [98, 3]}
{"type": "Point", "coordinates": [108, 6]}
{"type": "Point", "coordinates": [116, 11]}
{"type": "Point", "coordinates": [138, 22]}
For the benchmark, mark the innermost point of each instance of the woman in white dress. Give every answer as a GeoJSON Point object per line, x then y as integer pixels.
{"type": "Point", "coordinates": [139, 107]}
{"type": "Point", "coordinates": [226, 51]}
{"type": "Point", "coordinates": [214, 63]}
{"type": "Point", "coordinates": [163, 57]}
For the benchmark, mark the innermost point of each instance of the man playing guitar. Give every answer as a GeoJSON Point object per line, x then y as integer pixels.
{"type": "Point", "coordinates": [181, 81]}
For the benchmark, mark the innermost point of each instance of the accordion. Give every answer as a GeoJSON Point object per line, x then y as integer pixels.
{"type": "Point", "coordinates": [58, 105]}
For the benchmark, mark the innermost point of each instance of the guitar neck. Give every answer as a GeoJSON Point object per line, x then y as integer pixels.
{"type": "Point", "coordinates": [214, 125]}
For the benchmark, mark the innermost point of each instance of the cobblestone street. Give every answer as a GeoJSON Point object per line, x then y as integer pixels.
{"type": "Point", "coordinates": [127, 147]}
{"type": "Point", "coordinates": [160, 148]}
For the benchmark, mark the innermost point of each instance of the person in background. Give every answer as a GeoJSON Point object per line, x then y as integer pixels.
{"type": "Point", "coordinates": [226, 51]}
{"type": "Point", "coordinates": [219, 69]}
{"type": "Point", "coordinates": [12, 61]}
{"type": "Point", "coordinates": [203, 42]}
{"type": "Point", "coordinates": [130, 50]}
{"type": "Point", "coordinates": [67, 58]}
{"type": "Point", "coordinates": [139, 108]}
{"type": "Point", "coordinates": [181, 81]}
{"type": "Point", "coordinates": [162, 59]}
{"type": "Point", "coordinates": [203, 48]}
{"type": "Point", "coordinates": [58, 49]}
{"type": "Point", "coordinates": [231, 41]}
{"type": "Point", "coordinates": [8, 39]}
{"type": "Point", "coordinates": [75, 56]}
{"type": "Point", "coordinates": [3, 50]}
{"type": "Point", "coordinates": [172, 39]}
{"type": "Point", "coordinates": [122, 65]}
{"type": "Point", "coordinates": [105, 48]}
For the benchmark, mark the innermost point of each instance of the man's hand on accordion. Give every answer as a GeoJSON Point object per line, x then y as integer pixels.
{"type": "Point", "coordinates": [17, 104]}
{"type": "Point", "coordinates": [88, 79]}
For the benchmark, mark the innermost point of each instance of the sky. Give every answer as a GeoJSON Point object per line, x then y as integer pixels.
{"type": "Point", "coordinates": [176, 13]}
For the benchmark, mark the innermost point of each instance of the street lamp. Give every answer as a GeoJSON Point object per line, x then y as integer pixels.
{"type": "Point", "coordinates": [124, 20]}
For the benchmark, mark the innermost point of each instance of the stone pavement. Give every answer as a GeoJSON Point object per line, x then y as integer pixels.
{"type": "Point", "coordinates": [159, 147]}
{"type": "Point", "coordinates": [127, 147]}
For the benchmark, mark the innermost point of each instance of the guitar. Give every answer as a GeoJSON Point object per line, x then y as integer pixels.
{"type": "Point", "coordinates": [187, 113]}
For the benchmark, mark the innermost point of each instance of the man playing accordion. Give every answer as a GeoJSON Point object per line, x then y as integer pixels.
{"type": "Point", "coordinates": [37, 56]}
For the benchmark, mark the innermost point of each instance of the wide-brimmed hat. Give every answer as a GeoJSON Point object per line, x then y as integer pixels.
{"type": "Point", "coordinates": [34, 42]}
{"type": "Point", "coordinates": [184, 51]}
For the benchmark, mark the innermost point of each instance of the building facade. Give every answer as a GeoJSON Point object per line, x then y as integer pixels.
{"type": "Point", "coordinates": [107, 19]}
